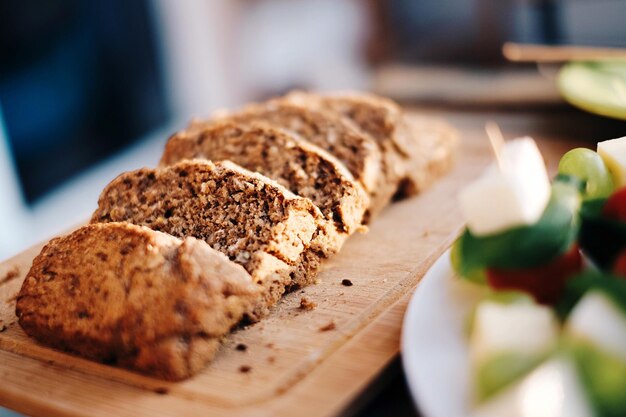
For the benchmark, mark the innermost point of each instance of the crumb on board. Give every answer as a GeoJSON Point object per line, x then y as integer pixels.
{"type": "Point", "coordinates": [346, 283]}
{"type": "Point", "coordinates": [162, 390]}
{"type": "Point", "coordinates": [317, 281]}
{"type": "Point", "coordinates": [11, 274]}
{"type": "Point", "coordinates": [306, 304]}
{"type": "Point", "coordinates": [270, 345]}
{"type": "Point", "coordinates": [425, 233]}
{"type": "Point", "coordinates": [241, 347]}
{"type": "Point", "coordinates": [12, 298]}
{"type": "Point", "coordinates": [244, 369]}
{"type": "Point", "coordinates": [271, 359]}
{"type": "Point", "coordinates": [328, 326]}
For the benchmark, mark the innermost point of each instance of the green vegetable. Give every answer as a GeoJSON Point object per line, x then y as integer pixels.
{"type": "Point", "coordinates": [500, 371]}
{"type": "Point", "coordinates": [598, 87]}
{"type": "Point", "coordinates": [604, 377]}
{"type": "Point", "coordinates": [526, 246]}
{"type": "Point", "coordinates": [614, 287]}
{"type": "Point", "coordinates": [476, 275]}
{"type": "Point", "coordinates": [589, 167]}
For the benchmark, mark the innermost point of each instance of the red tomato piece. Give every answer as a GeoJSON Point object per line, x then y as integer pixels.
{"type": "Point", "coordinates": [615, 206]}
{"type": "Point", "coordinates": [619, 268]}
{"type": "Point", "coordinates": [545, 283]}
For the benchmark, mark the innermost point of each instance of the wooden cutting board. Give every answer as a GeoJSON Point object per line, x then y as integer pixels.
{"type": "Point", "coordinates": [296, 362]}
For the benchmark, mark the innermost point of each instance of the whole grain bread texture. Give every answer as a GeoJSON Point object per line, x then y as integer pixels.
{"type": "Point", "coordinates": [303, 168]}
{"type": "Point", "coordinates": [255, 221]}
{"type": "Point", "coordinates": [133, 297]}
{"type": "Point", "coordinates": [415, 150]}
{"type": "Point", "coordinates": [331, 132]}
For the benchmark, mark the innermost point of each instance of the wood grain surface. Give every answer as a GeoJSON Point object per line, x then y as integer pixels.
{"type": "Point", "coordinates": [296, 362]}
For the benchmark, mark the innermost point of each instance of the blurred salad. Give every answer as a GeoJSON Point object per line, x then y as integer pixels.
{"type": "Point", "coordinates": [550, 340]}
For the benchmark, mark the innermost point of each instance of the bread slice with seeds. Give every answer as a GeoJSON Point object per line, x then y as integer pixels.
{"type": "Point", "coordinates": [301, 167]}
{"type": "Point", "coordinates": [379, 120]}
{"type": "Point", "coordinates": [414, 151]}
{"type": "Point", "coordinates": [133, 297]}
{"type": "Point", "coordinates": [256, 222]}
{"type": "Point", "coordinates": [336, 135]}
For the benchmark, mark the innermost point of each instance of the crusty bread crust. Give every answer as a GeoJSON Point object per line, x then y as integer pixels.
{"type": "Point", "coordinates": [245, 215]}
{"type": "Point", "coordinates": [130, 296]}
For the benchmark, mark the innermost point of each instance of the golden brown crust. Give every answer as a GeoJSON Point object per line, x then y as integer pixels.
{"type": "Point", "coordinates": [432, 149]}
{"type": "Point", "coordinates": [130, 296]}
{"type": "Point", "coordinates": [243, 214]}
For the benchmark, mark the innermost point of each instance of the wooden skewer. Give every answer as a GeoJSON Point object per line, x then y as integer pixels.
{"type": "Point", "coordinates": [519, 52]}
{"type": "Point", "coordinates": [497, 142]}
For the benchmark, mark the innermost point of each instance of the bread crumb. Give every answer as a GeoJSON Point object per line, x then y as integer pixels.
{"type": "Point", "coordinates": [12, 298]}
{"type": "Point", "coordinates": [245, 369]}
{"type": "Point", "coordinates": [306, 304]}
{"type": "Point", "coordinates": [271, 359]}
{"type": "Point", "coordinates": [426, 233]}
{"type": "Point", "coordinates": [241, 347]}
{"type": "Point", "coordinates": [317, 281]}
{"type": "Point", "coordinates": [385, 280]}
{"type": "Point", "coordinates": [328, 326]}
{"type": "Point", "coordinates": [346, 283]}
{"type": "Point", "coordinates": [11, 274]}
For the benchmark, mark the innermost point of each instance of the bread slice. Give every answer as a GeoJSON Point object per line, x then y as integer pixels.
{"type": "Point", "coordinates": [336, 135]}
{"type": "Point", "coordinates": [301, 167]}
{"type": "Point", "coordinates": [254, 221]}
{"type": "Point", "coordinates": [381, 120]}
{"type": "Point", "coordinates": [431, 148]}
{"type": "Point", "coordinates": [413, 153]}
{"type": "Point", "coordinates": [129, 296]}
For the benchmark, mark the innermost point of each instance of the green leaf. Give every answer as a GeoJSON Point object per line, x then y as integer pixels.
{"type": "Point", "coordinates": [604, 377]}
{"type": "Point", "coordinates": [527, 246]}
{"type": "Point", "coordinates": [503, 369]}
{"type": "Point", "coordinates": [614, 287]}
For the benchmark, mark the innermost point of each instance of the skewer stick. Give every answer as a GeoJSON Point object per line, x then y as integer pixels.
{"type": "Point", "coordinates": [497, 142]}
{"type": "Point", "coordinates": [519, 52]}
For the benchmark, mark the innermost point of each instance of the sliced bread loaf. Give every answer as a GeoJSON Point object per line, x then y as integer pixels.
{"type": "Point", "coordinates": [130, 296]}
{"type": "Point", "coordinates": [301, 167]}
{"type": "Point", "coordinates": [256, 222]}
{"type": "Point", "coordinates": [415, 151]}
{"type": "Point", "coordinates": [379, 119]}
{"type": "Point", "coordinates": [334, 134]}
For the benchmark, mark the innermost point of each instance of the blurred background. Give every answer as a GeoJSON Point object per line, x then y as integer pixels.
{"type": "Point", "coordinates": [90, 88]}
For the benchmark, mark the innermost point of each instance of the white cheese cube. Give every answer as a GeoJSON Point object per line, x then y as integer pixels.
{"type": "Point", "coordinates": [598, 320]}
{"type": "Point", "coordinates": [551, 390]}
{"type": "Point", "coordinates": [524, 328]}
{"type": "Point", "coordinates": [514, 196]}
{"type": "Point", "coordinates": [613, 152]}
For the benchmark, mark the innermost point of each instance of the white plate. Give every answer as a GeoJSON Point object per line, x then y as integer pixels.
{"type": "Point", "coordinates": [434, 347]}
